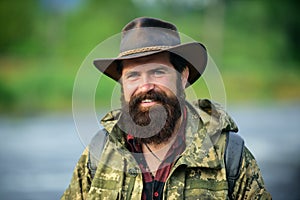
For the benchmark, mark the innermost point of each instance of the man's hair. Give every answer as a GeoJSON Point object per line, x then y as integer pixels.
{"type": "Point", "coordinates": [177, 61]}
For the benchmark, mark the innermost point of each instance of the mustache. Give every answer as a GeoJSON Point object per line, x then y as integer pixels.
{"type": "Point", "coordinates": [158, 96]}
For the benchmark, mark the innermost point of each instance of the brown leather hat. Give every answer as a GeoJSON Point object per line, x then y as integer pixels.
{"type": "Point", "coordinates": [146, 36]}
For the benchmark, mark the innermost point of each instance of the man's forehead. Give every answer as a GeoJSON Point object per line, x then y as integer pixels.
{"type": "Point", "coordinates": [155, 58]}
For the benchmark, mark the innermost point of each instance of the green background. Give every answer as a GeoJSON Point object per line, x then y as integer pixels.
{"type": "Point", "coordinates": [255, 45]}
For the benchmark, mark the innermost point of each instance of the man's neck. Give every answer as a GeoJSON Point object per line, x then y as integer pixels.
{"type": "Point", "coordinates": [155, 153]}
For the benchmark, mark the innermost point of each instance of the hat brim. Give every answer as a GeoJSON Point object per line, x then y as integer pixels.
{"type": "Point", "coordinates": [194, 53]}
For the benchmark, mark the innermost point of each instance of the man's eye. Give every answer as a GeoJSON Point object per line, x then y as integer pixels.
{"type": "Point", "coordinates": [131, 75]}
{"type": "Point", "coordinates": [158, 72]}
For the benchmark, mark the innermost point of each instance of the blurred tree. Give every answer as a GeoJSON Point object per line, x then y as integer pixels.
{"type": "Point", "coordinates": [279, 19]}
{"type": "Point", "coordinates": [7, 98]}
{"type": "Point", "coordinates": [16, 22]}
{"type": "Point", "coordinates": [285, 17]}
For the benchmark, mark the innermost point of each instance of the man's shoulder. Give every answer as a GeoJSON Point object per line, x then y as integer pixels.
{"type": "Point", "coordinates": [213, 115]}
{"type": "Point", "coordinates": [110, 119]}
{"type": "Point", "coordinates": [213, 109]}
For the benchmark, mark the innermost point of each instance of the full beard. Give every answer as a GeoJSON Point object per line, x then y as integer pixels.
{"type": "Point", "coordinates": [153, 125]}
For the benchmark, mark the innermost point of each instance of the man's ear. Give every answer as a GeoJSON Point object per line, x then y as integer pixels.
{"type": "Point", "coordinates": [184, 77]}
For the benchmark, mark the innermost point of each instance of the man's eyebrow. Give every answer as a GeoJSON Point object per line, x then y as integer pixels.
{"type": "Point", "coordinates": [161, 67]}
{"type": "Point", "coordinates": [131, 72]}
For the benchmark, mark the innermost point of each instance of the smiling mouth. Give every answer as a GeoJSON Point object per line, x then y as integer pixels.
{"type": "Point", "coordinates": [148, 102]}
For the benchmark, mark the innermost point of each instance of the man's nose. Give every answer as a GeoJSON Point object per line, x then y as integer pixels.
{"type": "Point", "coordinates": [146, 84]}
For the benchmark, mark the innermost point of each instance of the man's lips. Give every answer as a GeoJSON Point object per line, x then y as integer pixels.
{"type": "Point", "coordinates": [147, 102]}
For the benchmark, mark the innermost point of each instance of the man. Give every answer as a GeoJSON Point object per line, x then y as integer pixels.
{"type": "Point", "coordinates": [158, 145]}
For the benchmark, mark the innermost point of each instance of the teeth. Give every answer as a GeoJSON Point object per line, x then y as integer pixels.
{"type": "Point", "coordinates": [147, 101]}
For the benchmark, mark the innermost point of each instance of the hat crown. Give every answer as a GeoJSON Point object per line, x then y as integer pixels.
{"type": "Point", "coordinates": [143, 22]}
{"type": "Point", "coordinates": [148, 32]}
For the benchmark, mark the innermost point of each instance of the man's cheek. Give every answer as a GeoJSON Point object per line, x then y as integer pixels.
{"type": "Point", "coordinates": [128, 96]}
{"type": "Point", "coordinates": [169, 90]}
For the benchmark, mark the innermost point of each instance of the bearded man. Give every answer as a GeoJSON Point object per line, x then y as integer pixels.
{"type": "Point", "coordinates": [158, 145]}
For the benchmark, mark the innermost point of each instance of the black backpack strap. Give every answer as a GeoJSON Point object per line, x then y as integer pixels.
{"type": "Point", "coordinates": [233, 159]}
{"type": "Point", "coordinates": [95, 150]}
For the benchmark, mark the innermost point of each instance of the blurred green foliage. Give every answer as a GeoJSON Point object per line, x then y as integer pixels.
{"type": "Point", "coordinates": [255, 44]}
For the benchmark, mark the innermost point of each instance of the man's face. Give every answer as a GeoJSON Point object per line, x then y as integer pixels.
{"type": "Point", "coordinates": [152, 97]}
{"type": "Point", "coordinates": [150, 73]}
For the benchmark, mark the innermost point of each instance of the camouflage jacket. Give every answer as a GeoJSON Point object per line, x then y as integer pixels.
{"type": "Point", "coordinates": [199, 173]}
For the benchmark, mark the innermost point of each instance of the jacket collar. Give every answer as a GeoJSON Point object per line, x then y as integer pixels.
{"type": "Point", "coordinates": [205, 124]}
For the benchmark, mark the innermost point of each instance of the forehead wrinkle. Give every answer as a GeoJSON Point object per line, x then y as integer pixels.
{"type": "Point", "coordinates": [148, 59]}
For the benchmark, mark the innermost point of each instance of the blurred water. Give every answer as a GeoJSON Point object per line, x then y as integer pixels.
{"type": "Point", "coordinates": [38, 154]}
{"type": "Point", "coordinates": [273, 136]}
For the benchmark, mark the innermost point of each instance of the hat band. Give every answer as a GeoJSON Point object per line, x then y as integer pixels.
{"type": "Point", "coordinates": [141, 50]}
